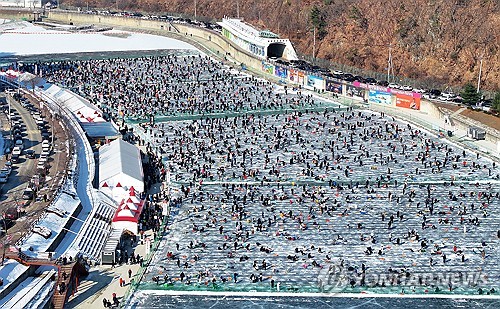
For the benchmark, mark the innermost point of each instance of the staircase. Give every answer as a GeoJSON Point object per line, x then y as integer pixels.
{"type": "Point", "coordinates": [59, 299]}
{"type": "Point", "coordinates": [74, 271]}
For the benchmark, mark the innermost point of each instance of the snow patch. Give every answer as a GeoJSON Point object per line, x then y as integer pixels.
{"type": "Point", "coordinates": [20, 38]}
{"type": "Point", "coordinates": [10, 271]}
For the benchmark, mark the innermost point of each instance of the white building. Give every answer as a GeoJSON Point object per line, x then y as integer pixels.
{"type": "Point", "coordinates": [263, 44]}
{"type": "Point", "coordinates": [21, 3]}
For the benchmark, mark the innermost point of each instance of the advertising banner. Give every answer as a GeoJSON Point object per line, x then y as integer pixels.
{"type": "Point", "coordinates": [293, 76]}
{"type": "Point", "coordinates": [407, 101]}
{"type": "Point", "coordinates": [333, 86]}
{"type": "Point", "coordinates": [380, 97]}
{"type": "Point", "coordinates": [371, 87]}
{"type": "Point", "coordinates": [352, 91]}
{"type": "Point", "coordinates": [268, 68]}
{"type": "Point", "coordinates": [315, 82]}
{"type": "Point", "coordinates": [280, 72]}
{"type": "Point", "coordinates": [301, 78]}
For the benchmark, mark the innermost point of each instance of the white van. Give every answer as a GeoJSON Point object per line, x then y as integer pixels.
{"type": "Point", "coordinates": [16, 151]}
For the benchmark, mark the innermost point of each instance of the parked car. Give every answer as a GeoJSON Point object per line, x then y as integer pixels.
{"type": "Point", "coordinates": [407, 88]}
{"type": "Point", "coordinates": [16, 150]}
{"type": "Point", "coordinates": [14, 158]}
{"type": "Point", "coordinates": [30, 154]}
{"type": "Point", "coordinates": [446, 96]}
{"type": "Point", "coordinates": [6, 170]}
{"type": "Point", "coordinates": [383, 83]}
{"type": "Point", "coordinates": [370, 80]}
{"type": "Point", "coordinates": [359, 78]}
{"type": "Point", "coordinates": [4, 178]}
{"type": "Point", "coordinates": [28, 194]}
{"type": "Point", "coordinates": [432, 94]}
{"type": "Point", "coordinates": [348, 77]}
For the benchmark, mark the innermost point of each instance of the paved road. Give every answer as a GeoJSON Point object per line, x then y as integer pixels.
{"type": "Point", "coordinates": [22, 171]}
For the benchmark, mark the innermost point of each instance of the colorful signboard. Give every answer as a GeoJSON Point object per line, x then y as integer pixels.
{"type": "Point", "coordinates": [293, 75]}
{"type": "Point", "coordinates": [332, 86]}
{"type": "Point", "coordinates": [380, 97]}
{"type": "Point", "coordinates": [407, 101]}
{"type": "Point", "coordinates": [302, 77]}
{"type": "Point", "coordinates": [315, 82]}
{"type": "Point", "coordinates": [268, 68]}
{"type": "Point", "coordinates": [371, 87]}
{"type": "Point", "coordinates": [280, 72]}
{"type": "Point", "coordinates": [352, 91]}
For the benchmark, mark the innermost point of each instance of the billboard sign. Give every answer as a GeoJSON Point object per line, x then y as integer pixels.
{"type": "Point", "coordinates": [267, 68]}
{"type": "Point", "coordinates": [371, 87]}
{"type": "Point", "coordinates": [380, 97]}
{"type": "Point", "coordinates": [301, 78]}
{"type": "Point", "coordinates": [280, 72]}
{"type": "Point", "coordinates": [293, 76]}
{"type": "Point", "coordinates": [332, 86]}
{"type": "Point", "coordinates": [407, 101]}
{"type": "Point", "coordinates": [355, 92]}
{"type": "Point", "coordinates": [315, 82]}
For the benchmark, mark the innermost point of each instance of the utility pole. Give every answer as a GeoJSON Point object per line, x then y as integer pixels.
{"type": "Point", "coordinates": [389, 63]}
{"type": "Point", "coordinates": [238, 9]}
{"type": "Point", "coordinates": [195, 4]}
{"type": "Point", "coordinates": [5, 238]}
{"type": "Point", "coordinates": [480, 71]}
{"type": "Point", "coordinates": [314, 44]}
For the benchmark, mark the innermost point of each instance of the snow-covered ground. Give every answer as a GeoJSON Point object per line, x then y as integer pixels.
{"type": "Point", "coordinates": [30, 293]}
{"type": "Point", "coordinates": [65, 207]}
{"type": "Point", "coordinates": [10, 271]}
{"type": "Point", "coordinates": [23, 38]}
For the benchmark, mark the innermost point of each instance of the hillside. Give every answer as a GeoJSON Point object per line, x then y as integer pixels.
{"type": "Point", "coordinates": [438, 41]}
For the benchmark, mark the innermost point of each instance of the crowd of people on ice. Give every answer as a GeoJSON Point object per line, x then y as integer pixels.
{"type": "Point", "coordinates": [277, 197]}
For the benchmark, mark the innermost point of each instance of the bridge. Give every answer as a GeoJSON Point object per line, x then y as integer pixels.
{"type": "Point", "coordinates": [69, 273]}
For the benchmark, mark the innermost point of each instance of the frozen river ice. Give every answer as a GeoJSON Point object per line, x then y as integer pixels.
{"type": "Point", "coordinates": [275, 189]}
{"type": "Point", "coordinates": [150, 300]}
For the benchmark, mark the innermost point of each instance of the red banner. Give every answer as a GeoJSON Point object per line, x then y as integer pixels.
{"type": "Point", "coordinates": [407, 101]}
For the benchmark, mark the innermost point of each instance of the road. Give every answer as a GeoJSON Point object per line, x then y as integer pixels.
{"type": "Point", "coordinates": [26, 168]}
{"type": "Point", "coordinates": [22, 171]}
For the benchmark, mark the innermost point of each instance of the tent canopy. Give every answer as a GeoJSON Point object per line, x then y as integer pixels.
{"type": "Point", "coordinates": [120, 166]}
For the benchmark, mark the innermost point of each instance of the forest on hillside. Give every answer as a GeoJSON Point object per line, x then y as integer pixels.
{"type": "Point", "coordinates": [435, 41]}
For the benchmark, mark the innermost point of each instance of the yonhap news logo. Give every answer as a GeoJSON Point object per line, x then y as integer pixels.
{"type": "Point", "coordinates": [335, 279]}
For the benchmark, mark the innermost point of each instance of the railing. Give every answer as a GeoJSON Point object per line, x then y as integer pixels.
{"type": "Point", "coordinates": [77, 130]}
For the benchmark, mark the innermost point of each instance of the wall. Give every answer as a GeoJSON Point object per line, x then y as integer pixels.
{"type": "Point", "coordinates": [221, 44]}
{"type": "Point", "coordinates": [16, 14]}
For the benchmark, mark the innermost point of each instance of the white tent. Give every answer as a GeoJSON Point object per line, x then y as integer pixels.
{"type": "Point", "coordinates": [120, 168]}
